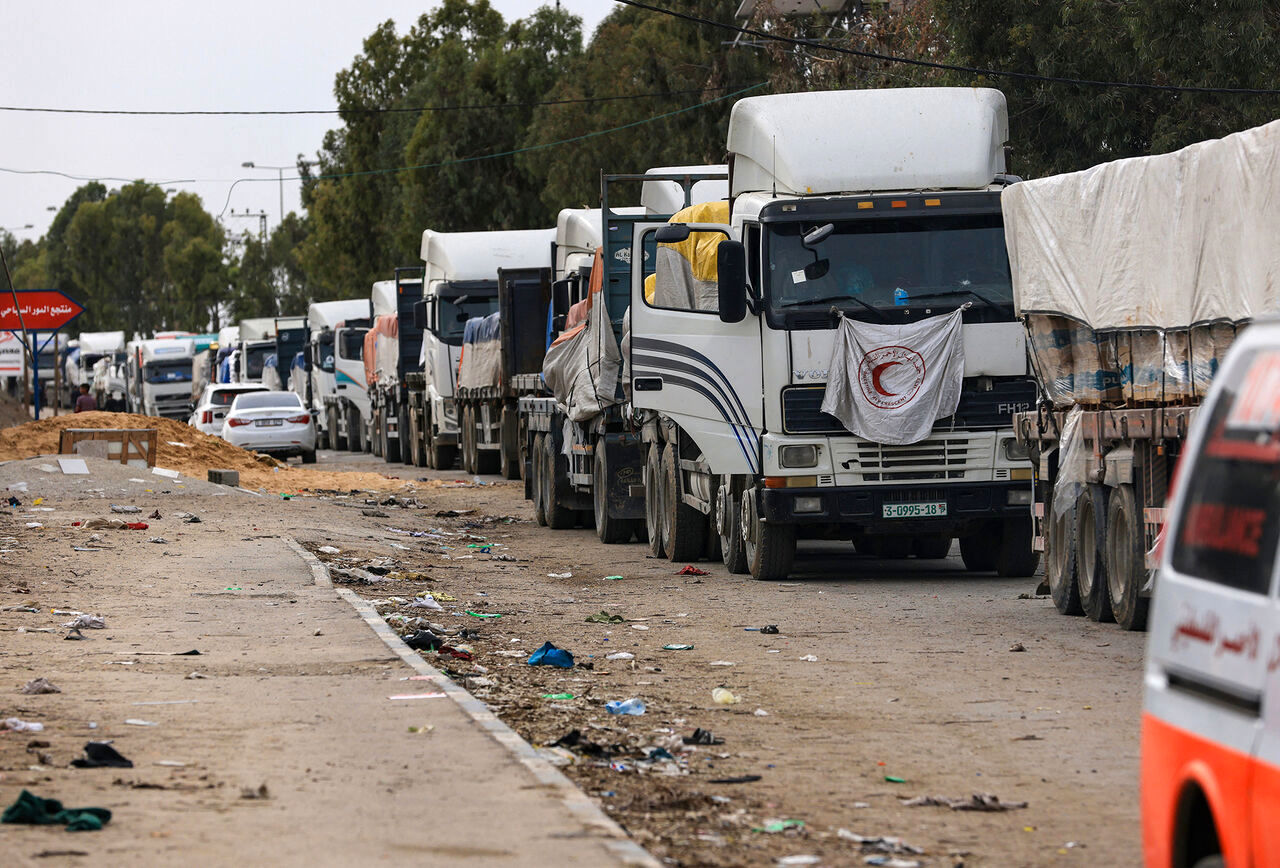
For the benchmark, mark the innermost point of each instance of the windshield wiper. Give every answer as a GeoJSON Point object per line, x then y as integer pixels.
{"type": "Point", "coordinates": [830, 298]}
{"type": "Point", "coordinates": [979, 296]}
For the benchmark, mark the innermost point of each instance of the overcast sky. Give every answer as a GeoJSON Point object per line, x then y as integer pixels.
{"type": "Point", "coordinates": [150, 55]}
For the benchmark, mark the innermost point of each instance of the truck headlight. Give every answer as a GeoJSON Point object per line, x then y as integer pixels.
{"type": "Point", "coordinates": [1013, 450]}
{"type": "Point", "coordinates": [797, 456]}
{"type": "Point", "coordinates": [807, 504]}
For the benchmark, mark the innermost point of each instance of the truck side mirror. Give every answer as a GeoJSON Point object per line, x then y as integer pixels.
{"type": "Point", "coordinates": [560, 297]}
{"type": "Point", "coordinates": [672, 233]}
{"type": "Point", "coordinates": [420, 315]}
{"type": "Point", "coordinates": [731, 277]}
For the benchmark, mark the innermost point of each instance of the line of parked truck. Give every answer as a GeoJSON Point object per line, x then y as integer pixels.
{"type": "Point", "coordinates": [659, 367]}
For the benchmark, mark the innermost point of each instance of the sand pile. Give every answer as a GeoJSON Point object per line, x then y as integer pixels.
{"type": "Point", "coordinates": [190, 452]}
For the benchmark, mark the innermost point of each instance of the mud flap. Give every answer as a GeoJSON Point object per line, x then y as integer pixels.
{"type": "Point", "coordinates": [624, 454]}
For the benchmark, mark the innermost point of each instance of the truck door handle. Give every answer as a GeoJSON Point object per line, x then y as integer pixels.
{"type": "Point", "coordinates": [342, 385]}
{"type": "Point", "coordinates": [647, 384]}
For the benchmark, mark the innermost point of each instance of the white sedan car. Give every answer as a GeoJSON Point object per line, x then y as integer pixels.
{"type": "Point", "coordinates": [272, 422]}
{"type": "Point", "coordinates": [214, 401]}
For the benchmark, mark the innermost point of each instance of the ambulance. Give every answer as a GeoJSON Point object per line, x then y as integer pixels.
{"type": "Point", "coordinates": [1211, 719]}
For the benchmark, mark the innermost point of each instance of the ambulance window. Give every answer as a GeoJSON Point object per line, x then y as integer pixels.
{"type": "Point", "coordinates": [1230, 514]}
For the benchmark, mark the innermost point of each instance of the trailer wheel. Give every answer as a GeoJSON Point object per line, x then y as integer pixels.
{"type": "Point", "coordinates": [1060, 558]}
{"type": "Point", "coordinates": [466, 436]}
{"type": "Point", "coordinates": [728, 519]}
{"type": "Point", "coordinates": [375, 433]}
{"type": "Point", "coordinates": [509, 462]}
{"type": "Point", "coordinates": [1015, 559]}
{"type": "Point", "coordinates": [390, 447]}
{"type": "Point", "coordinates": [654, 515]}
{"type": "Point", "coordinates": [610, 530]}
{"type": "Point", "coordinates": [1126, 560]}
{"type": "Point", "coordinates": [408, 442]}
{"type": "Point", "coordinates": [331, 422]}
{"type": "Point", "coordinates": [357, 439]}
{"type": "Point", "coordinates": [536, 474]}
{"type": "Point", "coordinates": [770, 548]}
{"type": "Point", "coordinates": [978, 551]}
{"type": "Point", "coordinates": [1091, 536]}
{"type": "Point", "coordinates": [558, 517]}
{"type": "Point", "coordinates": [686, 526]}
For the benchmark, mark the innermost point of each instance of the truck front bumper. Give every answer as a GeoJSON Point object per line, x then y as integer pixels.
{"type": "Point", "coordinates": [967, 503]}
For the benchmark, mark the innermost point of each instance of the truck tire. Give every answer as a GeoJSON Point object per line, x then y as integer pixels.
{"type": "Point", "coordinates": [728, 520]}
{"type": "Point", "coordinates": [654, 515]}
{"type": "Point", "coordinates": [486, 460]}
{"type": "Point", "coordinates": [467, 438]}
{"type": "Point", "coordinates": [390, 445]}
{"type": "Point", "coordinates": [309, 457]}
{"type": "Point", "coordinates": [1091, 536]}
{"type": "Point", "coordinates": [1060, 558]}
{"type": "Point", "coordinates": [509, 461]}
{"type": "Point", "coordinates": [336, 442]}
{"type": "Point", "coordinates": [686, 526]}
{"type": "Point", "coordinates": [770, 548]}
{"type": "Point", "coordinates": [559, 517]}
{"type": "Point", "coordinates": [610, 530]}
{"type": "Point", "coordinates": [1015, 559]}
{"type": "Point", "coordinates": [1126, 560]}
{"type": "Point", "coordinates": [978, 552]}
{"type": "Point", "coordinates": [535, 476]}
{"type": "Point", "coordinates": [406, 436]}
{"type": "Point", "coordinates": [931, 548]}
{"type": "Point", "coordinates": [377, 435]}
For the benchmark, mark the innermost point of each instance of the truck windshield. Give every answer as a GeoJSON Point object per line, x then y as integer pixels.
{"type": "Point", "coordinates": [254, 358]}
{"type": "Point", "coordinates": [351, 344]}
{"type": "Point", "coordinates": [172, 371]}
{"type": "Point", "coordinates": [455, 310]}
{"type": "Point", "coordinates": [908, 262]}
{"type": "Point", "coordinates": [324, 352]}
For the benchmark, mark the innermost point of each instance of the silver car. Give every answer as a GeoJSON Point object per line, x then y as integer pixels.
{"type": "Point", "coordinates": [272, 422]}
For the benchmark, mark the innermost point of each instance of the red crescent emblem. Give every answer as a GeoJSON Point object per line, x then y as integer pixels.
{"type": "Point", "coordinates": [876, 373]}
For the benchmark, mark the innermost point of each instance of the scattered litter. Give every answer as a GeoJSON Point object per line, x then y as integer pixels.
{"type": "Point", "coordinates": [808, 859]}
{"type": "Point", "coordinates": [486, 615]}
{"type": "Point", "coordinates": [37, 686]}
{"type": "Point", "coordinates": [613, 578]}
{"type": "Point", "coordinates": [188, 518]}
{"type": "Point", "coordinates": [194, 675]}
{"type": "Point", "coordinates": [1017, 646]}
{"type": "Point", "coordinates": [453, 513]}
{"type": "Point", "coordinates": [159, 540]}
{"type": "Point", "coordinates": [721, 663]}
{"type": "Point", "coordinates": [426, 603]}
{"type": "Point", "coordinates": [33, 525]}
{"type": "Point", "coordinates": [33, 810]}
{"type": "Point", "coordinates": [329, 550]}
{"type": "Point", "coordinates": [639, 626]}
{"type": "Point", "coordinates": [769, 629]}
{"type": "Point", "coordinates": [760, 712]}
{"type": "Point", "coordinates": [772, 827]}
{"type": "Point", "coordinates": [559, 575]}
{"type": "Point", "coordinates": [550, 655]}
{"type": "Point", "coordinates": [976, 802]}
{"type": "Point", "coordinates": [137, 525]}
{"type": "Point", "coordinates": [702, 736]}
{"type": "Point", "coordinates": [625, 706]}
{"type": "Point", "coordinates": [71, 466]}
{"type": "Point", "coordinates": [165, 472]}
{"type": "Point", "coordinates": [691, 570]}
{"type": "Point", "coordinates": [87, 622]}
{"type": "Point", "coordinates": [424, 640]}
{"type": "Point", "coordinates": [259, 792]}
{"type": "Point", "coordinates": [892, 862]}
{"type": "Point", "coordinates": [75, 635]}
{"type": "Point", "coordinates": [124, 509]}
{"type": "Point", "coordinates": [723, 696]}
{"type": "Point", "coordinates": [894, 779]}
{"type": "Point", "coordinates": [100, 755]}
{"type": "Point", "coordinates": [603, 617]}
{"type": "Point", "coordinates": [14, 724]}
{"type": "Point", "coordinates": [675, 647]}
{"type": "Point", "coordinates": [17, 486]}
{"type": "Point", "coordinates": [399, 696]}
{"type": "Point", "coordinates": [809, 658]}
{"type": "Point", "coordinates": [422, 730]}
{"type": "Point", "coordinates": [621, 655]}
{"type": "Point", "coordinates": [134, 721]}
{"type": "Point", "coordinates": [558, 696]}
{"type": "Point", "coordinates": [155, 514]}
{"type": "Point", "coordinates": [355, 576]}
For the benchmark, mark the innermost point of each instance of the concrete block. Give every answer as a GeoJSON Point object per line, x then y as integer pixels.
{"type": "Point", "coordinates": [225, 477]}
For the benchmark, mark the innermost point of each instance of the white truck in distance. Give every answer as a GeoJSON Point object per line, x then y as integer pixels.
{"type": "Point", "coordinates": [90, 349]}
{"type": "Point", "coordinates": [160, 377]}
{"type": "Point", "coordinates": [338, 396]}
{"type": "Point", "coordinates": [877, 207]}
{"type": "Point", "coordinates": [257, 340]}
{"type": "Point", "coordinates": [461, 283]}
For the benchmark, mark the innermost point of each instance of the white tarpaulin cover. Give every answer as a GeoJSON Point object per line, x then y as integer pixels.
{"type": "Point", "coordinates": [582, 366]}
{"type": "Point", "coordinates": [890, 383]}
{"type": "Point", "coordinates": [1159, 242]}
{"type": "Point", "coordinates": [481, 363]}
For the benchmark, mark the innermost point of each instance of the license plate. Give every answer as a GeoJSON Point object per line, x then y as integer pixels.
{"type": "Point", "coordinates": [269, 423]}
{"type": "Point", "coordinates": [915, 510]}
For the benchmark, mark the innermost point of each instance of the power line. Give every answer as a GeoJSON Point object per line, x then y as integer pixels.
{"type": "Point", "coordinates": [932, 64]}
{"type": "Point", "coordinates": [591, 135]}
{"type": "Point", "coordinates": [414, 110]}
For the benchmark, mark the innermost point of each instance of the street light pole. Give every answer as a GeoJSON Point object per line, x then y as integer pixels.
{"type": "Point", "coordinates": [250, 164]}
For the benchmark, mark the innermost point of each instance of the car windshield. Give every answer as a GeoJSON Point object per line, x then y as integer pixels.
{"type": "Point", "coordinates": [174, 371]}
{"type": "Point", "coordinates": [456, 310]}
{"type": "Point", "coordinates": [351, 344]}
{"type": "Point", "coordinates": [887, 263]}
{"type": "Point", "coordinates": [264, 400]}
{"type": "Point", "coordinates": [224, 397]}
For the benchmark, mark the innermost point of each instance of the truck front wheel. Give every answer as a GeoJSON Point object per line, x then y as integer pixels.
{"type": "Point", "coordinates": [978, 552]}
{"type": "Point", "coordinates": [654, 515]}
{"type": "Point", "coordinates": [770, 549]}
{"type": "Point", "coordinates": [1015, 559]}
{"type": "Point", "coordinates": [686, 526]}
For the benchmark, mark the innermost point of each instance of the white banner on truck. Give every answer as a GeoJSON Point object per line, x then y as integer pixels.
{"type": "Point", "coordinates": [890, 383]}
{"type": "Point", "coordinates": [10, 354]}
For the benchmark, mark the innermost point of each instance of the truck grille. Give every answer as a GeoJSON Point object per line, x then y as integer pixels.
{"type": "Point", "coordinates": [940, 457]}
{"type": "Point", "coordinates": [992, 409]}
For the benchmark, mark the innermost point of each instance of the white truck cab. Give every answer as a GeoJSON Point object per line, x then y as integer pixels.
{"type": "Point", "coordinates": [1211, 721]}
{"type": "Point", "coordinates": [161, 374]}
{"type": "Point", "coordinates": [882, 207]}
{"type": "Point", "coordinates": [339, 396]}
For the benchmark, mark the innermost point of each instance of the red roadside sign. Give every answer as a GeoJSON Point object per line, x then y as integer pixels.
{"type": "Point", "coordinates": [43, 310]}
